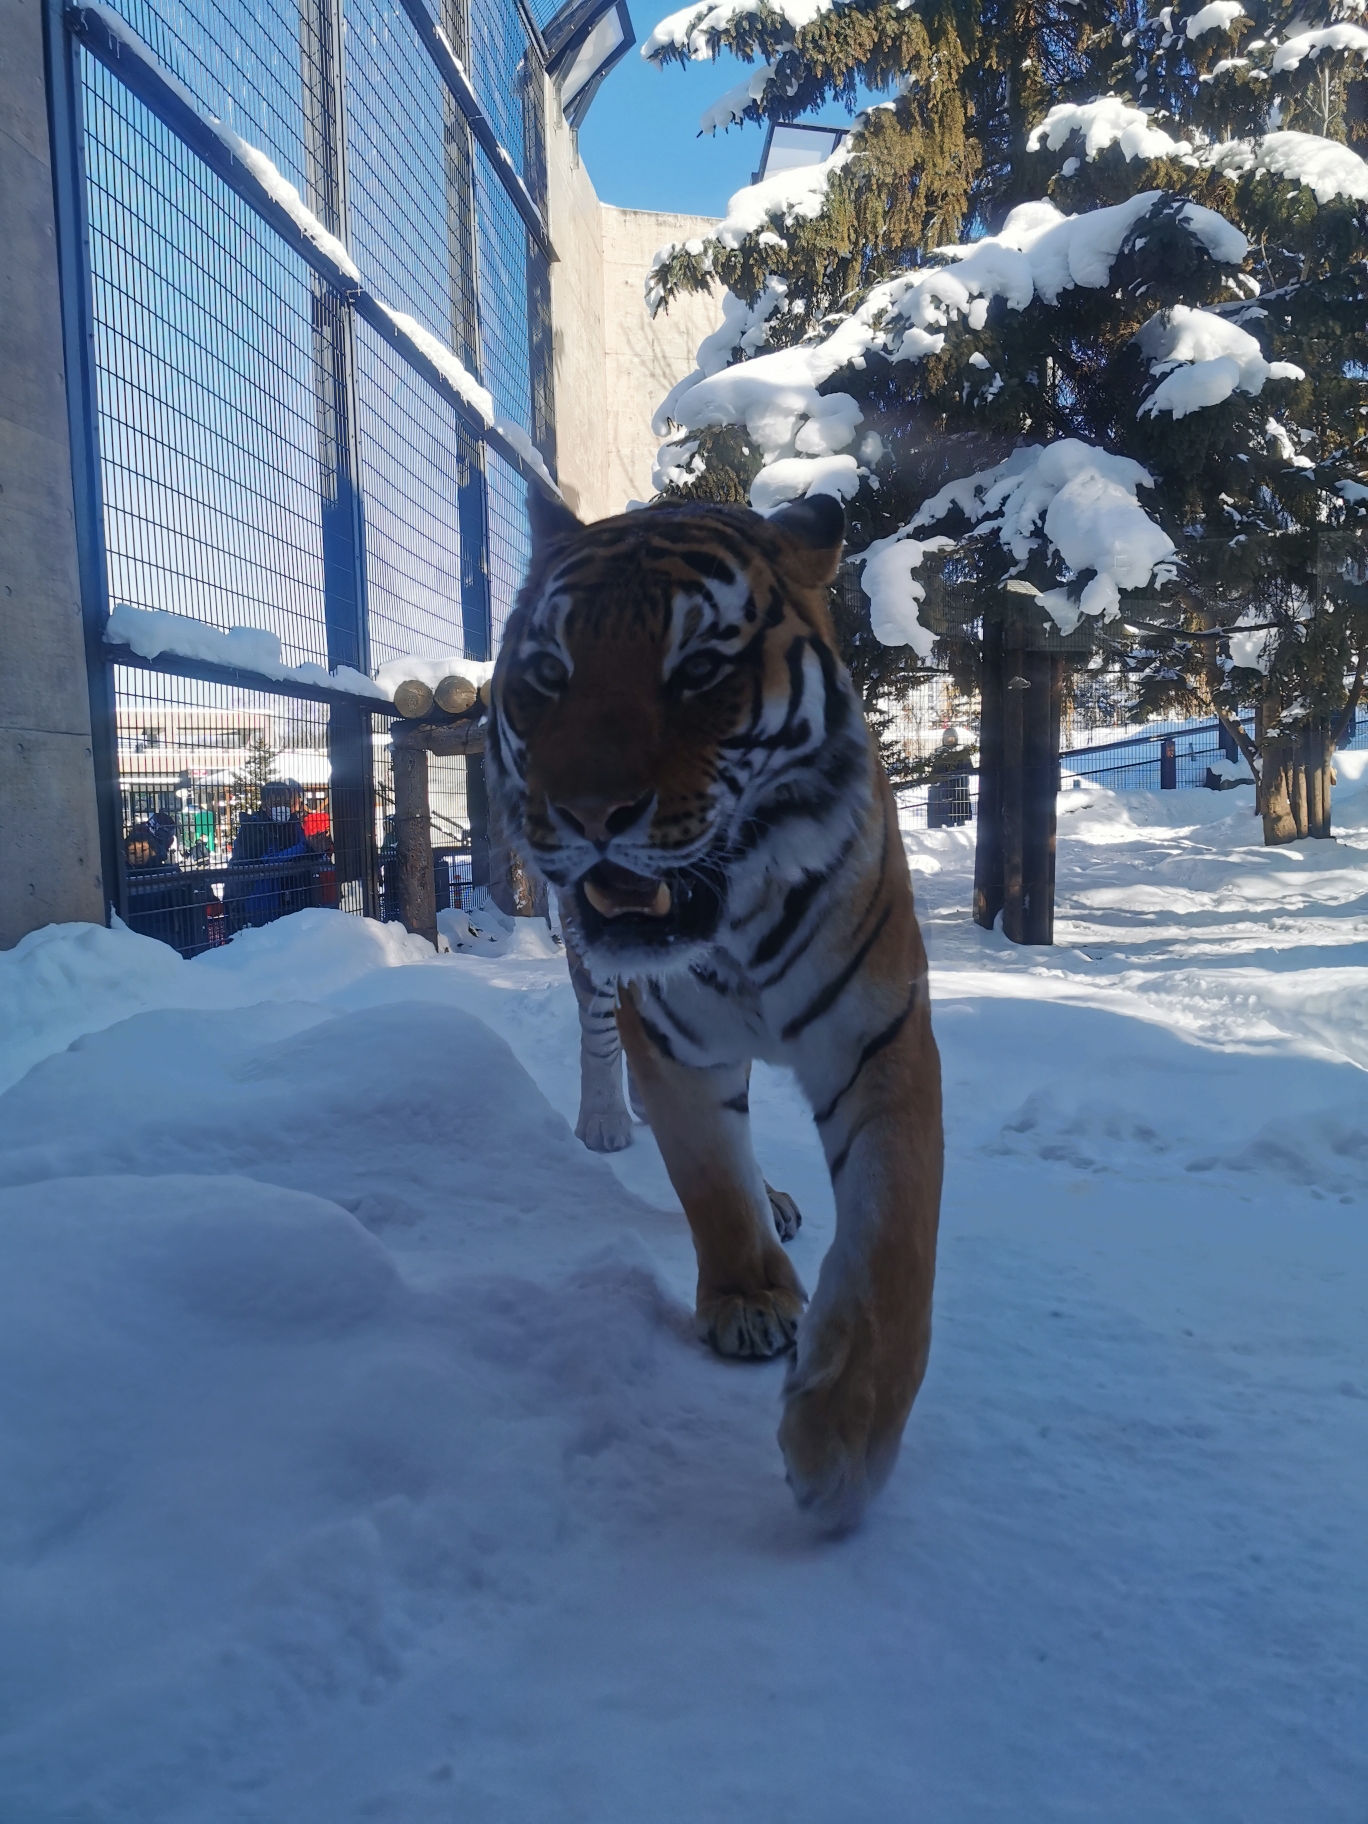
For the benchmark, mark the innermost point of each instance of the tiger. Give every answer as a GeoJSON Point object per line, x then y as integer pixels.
{"type": "Point", "coordinates": [675, 747]}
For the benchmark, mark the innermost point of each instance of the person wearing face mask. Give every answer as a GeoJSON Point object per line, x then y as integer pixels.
{"type": "Point", "coordinates": [259, 888]}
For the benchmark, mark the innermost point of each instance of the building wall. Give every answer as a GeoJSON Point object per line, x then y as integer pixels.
{"type": "Point", "coordinates": [613, 364]}
{"type": "Point", "coordinates": [49, 835]}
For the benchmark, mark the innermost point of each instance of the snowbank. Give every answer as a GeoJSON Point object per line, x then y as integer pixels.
{"type": "Point", "coordinates": [357, 1459]}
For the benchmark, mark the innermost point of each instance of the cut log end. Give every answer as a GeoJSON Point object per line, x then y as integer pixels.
{"type": "Point", "coordinates": [455, 694]}
{"type": "Point", "coordinates": [413, 698]}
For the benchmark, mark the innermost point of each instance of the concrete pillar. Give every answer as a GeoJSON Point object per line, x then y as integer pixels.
{"type": "Point", "coordinates": [49, 833]}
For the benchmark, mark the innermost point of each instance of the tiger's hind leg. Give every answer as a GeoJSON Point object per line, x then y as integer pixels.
{"type": "Point", "coordinates": [749, 1297]}
{"type": "Point", "coordinates": [604, 1124]}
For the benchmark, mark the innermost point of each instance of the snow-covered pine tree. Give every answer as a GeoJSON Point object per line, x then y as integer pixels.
{"type": "Point", "coordinates": [1086, 415]}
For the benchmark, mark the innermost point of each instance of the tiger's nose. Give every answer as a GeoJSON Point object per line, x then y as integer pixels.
{"type": "Point", "coordinates": [599, 820]}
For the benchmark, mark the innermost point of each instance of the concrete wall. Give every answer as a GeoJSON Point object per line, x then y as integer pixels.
{"type": "Point", "coordinates": [613, 364]}
{"type": "Point", "coordinates": [49, 837]}
{"type": "Point", "coordinates": [644, 357]}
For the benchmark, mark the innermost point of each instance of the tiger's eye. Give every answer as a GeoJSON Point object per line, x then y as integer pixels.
{"type": "Point", "coordinates": [548, 672]}
{"type": "Point", "coordinates": [698, 670]}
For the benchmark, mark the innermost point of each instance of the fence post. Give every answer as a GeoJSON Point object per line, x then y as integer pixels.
{"type": "Point", "coordinates": [350, 749]}
{"type": "Point", "coordinates": [1168, 764]}
{"type": "Point", "coordinates": [413, 836]}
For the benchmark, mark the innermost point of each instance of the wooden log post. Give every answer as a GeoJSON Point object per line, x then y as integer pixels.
{"type": "Point", "coordinates": [413, 888]}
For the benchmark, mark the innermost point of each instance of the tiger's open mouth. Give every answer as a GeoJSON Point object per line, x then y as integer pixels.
{"type": "Point", "coordinates": [616, 892]}
{"type": "Point", "coordinates": [633, 915]}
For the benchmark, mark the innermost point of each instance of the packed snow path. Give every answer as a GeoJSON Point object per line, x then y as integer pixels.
{"type": "Point", "coordinates": [359, 1461]}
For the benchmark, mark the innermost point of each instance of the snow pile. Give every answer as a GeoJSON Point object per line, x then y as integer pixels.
{"type": "Point", "coordinates": [1204, 359]}
{"type": "Point", "coordinates": [1327, 168]}
{"type": "Point", "coordinates": [152, 633]}
{"type": "Point", "coordinates": [1108, 121]}
{"type": "Point", "coordinates": [1217, 16]}
{"type": "Point", "coordinates": [431, 671]}
{"type": "Point", "coordinates": [357, 1458]}
{"type": "Point", "coordinates": [690, 30]}
{"type": "Point", "coordinates": [1084, 501]}
{"type": "Point", "coordinates": [731, 107]}
{"type": "Point", "coordinates": [1294, 49]}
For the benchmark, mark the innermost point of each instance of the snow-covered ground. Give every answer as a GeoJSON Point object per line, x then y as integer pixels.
{"type": "Point", "coordinates": [359, 1461]}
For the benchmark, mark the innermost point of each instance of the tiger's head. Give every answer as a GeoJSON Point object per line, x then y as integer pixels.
{"type": "Point", "coordinates": [670, 719]}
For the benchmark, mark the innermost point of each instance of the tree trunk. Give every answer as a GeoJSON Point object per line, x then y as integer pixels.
{"type": "Point", "coordinates": [988, 851]}
{"type": "Point", "coordinates": [1294, 785]}
{"type": "Point", "coordinates": [1014, 871]}
{"type": "Point", "coordinates": [1015, 686]}
{"type": "Point", "coordinates": [1040, 777]}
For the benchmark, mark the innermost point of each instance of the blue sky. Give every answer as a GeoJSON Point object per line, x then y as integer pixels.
{"type": "Point", "coordinates": [640, 142]}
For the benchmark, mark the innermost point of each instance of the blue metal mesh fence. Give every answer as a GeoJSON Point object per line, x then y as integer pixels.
{"type": "Point", "coordinates": [242, 410]}
{"type": "Point", "coordinates": [204, 359]}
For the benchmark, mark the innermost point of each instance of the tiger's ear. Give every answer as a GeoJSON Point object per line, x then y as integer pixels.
{"type": "Point", "coordinates": [551, 521]}
{"type": "Point", "coordinates": [817, 522]}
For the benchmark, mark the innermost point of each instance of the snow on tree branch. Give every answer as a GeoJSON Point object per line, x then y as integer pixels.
{"type": "Point", "coordinates": [1084, 501]}
{"type": "Point", "coordinates": [731, 108]}
{"type": "Point", "coordinates": [1108, 121]}
{"type": "Point", "coordinates": [1203, 359]}
{"type": "Point", "coordinates": [1219, 16]}
{"type": "Point", "coordinates": [1293, 50]}
{"type": "Point", "coordinates": [1327, 168]}
{"type": "Point", "coordinates": [693, 30]}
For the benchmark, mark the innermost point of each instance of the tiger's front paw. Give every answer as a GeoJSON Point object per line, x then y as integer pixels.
{"type": "Point", "coordinates": [788, 1218]}
{"type": "Point", "coordinates": [604, 1130]}
{"type": "Point", "coordinates": [751, 1325]}
{"type": "Point", "coordinates": [846, 1402]}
